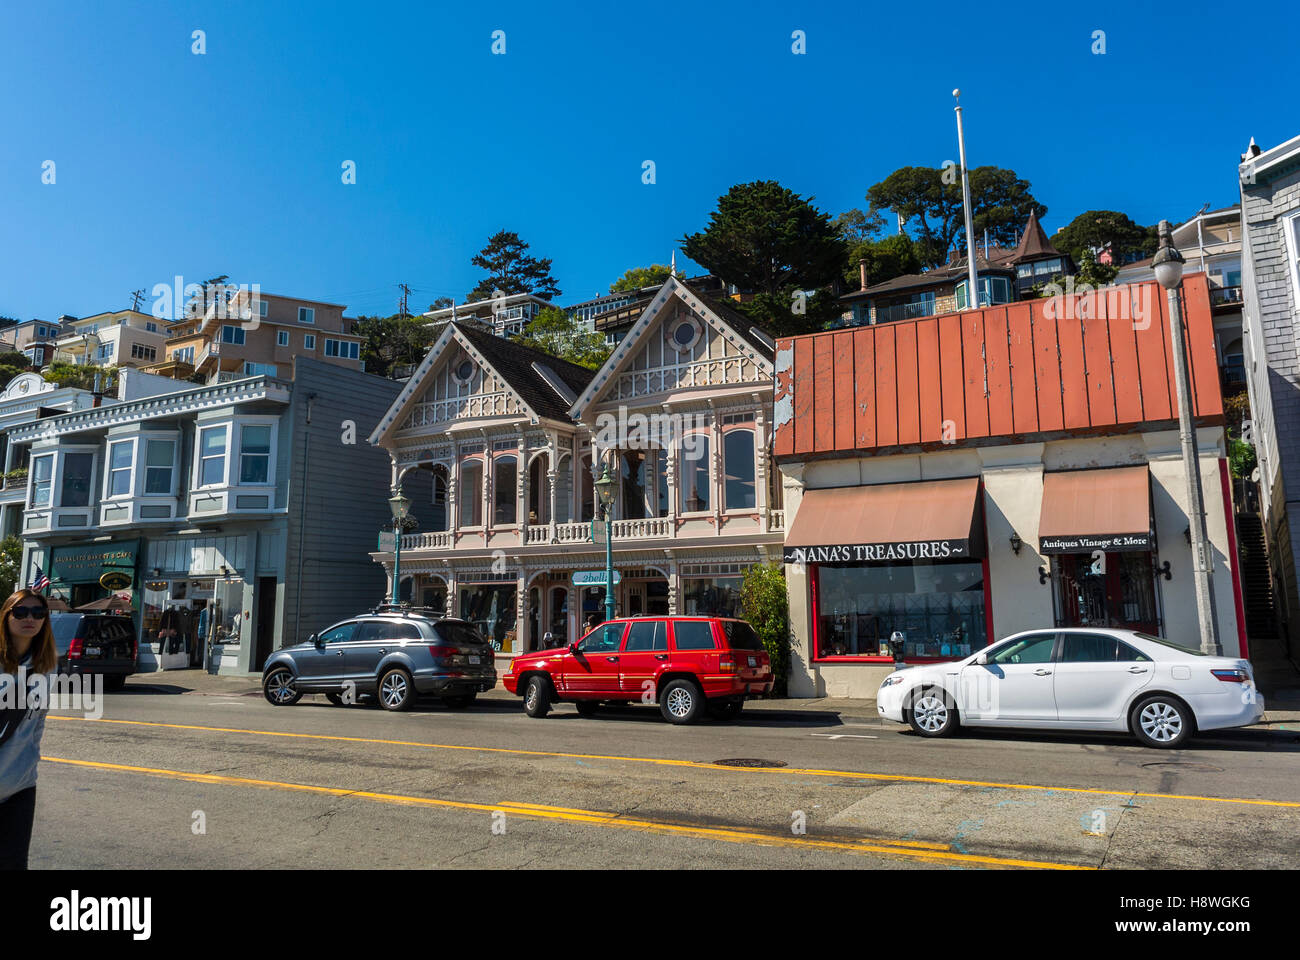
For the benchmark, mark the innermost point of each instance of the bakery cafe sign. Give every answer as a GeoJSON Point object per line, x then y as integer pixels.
{"type": "Point", "coordinates": [878, 552]}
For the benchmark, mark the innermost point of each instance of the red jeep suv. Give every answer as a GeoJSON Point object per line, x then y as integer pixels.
{"type": "Point", "coordinates": [685, 664]}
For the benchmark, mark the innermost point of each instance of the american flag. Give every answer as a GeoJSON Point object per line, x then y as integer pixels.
{"type": "Point", "coordinates": [41, 581]}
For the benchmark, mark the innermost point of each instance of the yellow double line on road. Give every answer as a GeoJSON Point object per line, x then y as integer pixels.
{"type": "Point", "coordinates": [695, 764]}
{"type": "Point", "coordinates": [911, 850]}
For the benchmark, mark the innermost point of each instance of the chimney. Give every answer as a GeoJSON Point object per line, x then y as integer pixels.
{"type": "Point", "coordinates": [862, 274]}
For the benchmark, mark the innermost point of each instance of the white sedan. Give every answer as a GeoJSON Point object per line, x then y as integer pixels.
{"type": "Point", "coordinates": [1077, 679]}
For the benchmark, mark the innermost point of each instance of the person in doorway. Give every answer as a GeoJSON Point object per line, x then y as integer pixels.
{"type": "Point", "coordinates": [593, 621]}
{"type": "Point", "coordinates": [27, 657]}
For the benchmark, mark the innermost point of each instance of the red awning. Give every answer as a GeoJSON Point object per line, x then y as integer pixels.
{"type": "Point", "coordinates": [1086, 510]}
{"type": "Point", "coordinates": [930, 520]}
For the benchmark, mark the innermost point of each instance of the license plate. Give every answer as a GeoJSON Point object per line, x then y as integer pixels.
{"type": "Point", "coordinates": [753, 661]}
{"type": "Point", "coordinates": [473, 659]}
{"type": "Point", "coordinates": [92, 651]}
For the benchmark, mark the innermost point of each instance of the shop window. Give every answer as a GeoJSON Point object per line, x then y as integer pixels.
{"type": "Point", "coordinates": [938, 607]}
{"type": "Point", "coordinates": [695, 473]}
{"type": "Point", "coordinates": [559, 627]}
{"type": "Point", "coordinates": [1114, 589]}
{"type": "Point", "coordinates": [255, 454]}
{"type": "Point", "coordinates": [503, 488]}
{"type": "Point", "coordinates": [471, 492]}
{"type": "Point", "coordinates": [711, 597]}
{"type": "Point", "coordinates": [738, 463]}
{"type": "Point", "coordinates": [120, 457]}
{"type": "Point", "coordinates": [491, 609]}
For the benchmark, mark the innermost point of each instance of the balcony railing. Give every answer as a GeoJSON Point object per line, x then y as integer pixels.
{"type": "Point", "coordinates": [1225, 296]}
{"type": "Point", "coordinates": [905, 311]}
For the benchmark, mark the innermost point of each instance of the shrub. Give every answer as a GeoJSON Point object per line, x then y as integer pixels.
{"type": "Point", "coordinates": [765, 603]}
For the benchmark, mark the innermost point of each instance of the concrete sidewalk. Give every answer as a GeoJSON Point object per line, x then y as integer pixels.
{"type": "Point", "coordinates": [1282, 713]}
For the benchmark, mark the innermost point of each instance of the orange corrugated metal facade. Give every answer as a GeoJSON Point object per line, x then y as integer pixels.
{"type": "Point", "coordinates": [1085, 364]}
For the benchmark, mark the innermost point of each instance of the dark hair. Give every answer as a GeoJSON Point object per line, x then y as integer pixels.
{"type": "Point", "coordinates": [44, 658]}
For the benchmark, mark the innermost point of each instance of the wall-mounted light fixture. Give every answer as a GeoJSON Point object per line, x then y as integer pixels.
{"type": "Point", "coordinates": [1164, 571]}
{"type": "Point", "coordinates": [1044, 574]}
{"type": "Point", "coordinates": [1187, 535]}
{"type": "Point", "coordinates": [1016, 543]}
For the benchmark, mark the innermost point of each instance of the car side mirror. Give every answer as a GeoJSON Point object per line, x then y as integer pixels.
{"type": "Point", "coordinates": [573, 648]}
{"type": "Point", "coordinates": [982, 659]}
{"type": "Point", "coordinates": [314, 639]}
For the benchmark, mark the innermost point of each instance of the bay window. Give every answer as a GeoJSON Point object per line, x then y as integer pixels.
{"type": "Point", "coordinates": [212, 456]}
{"type": "Point", "coordinates": [42, 480]}
{"type": "Point", "coordinates": [159, 461]}
{"type": "Point", "coordinates": [121, 460]}
{"type": "Point", "coordinates": [78, 473]}
{"type": "Point", "coordinates": [255, 453]}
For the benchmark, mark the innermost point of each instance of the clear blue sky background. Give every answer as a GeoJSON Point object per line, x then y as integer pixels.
{"type": "Point", "coordinates": [230, 163]}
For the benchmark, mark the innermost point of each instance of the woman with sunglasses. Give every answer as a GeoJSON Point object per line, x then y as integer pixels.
{"type": "Point", "coordinates": [27, 658]}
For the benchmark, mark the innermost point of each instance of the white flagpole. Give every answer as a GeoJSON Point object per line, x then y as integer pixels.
{"type": "Point", "coordinates": [972, 297]}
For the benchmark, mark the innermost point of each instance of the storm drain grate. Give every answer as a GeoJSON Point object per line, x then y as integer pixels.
{"type": "Point", "coordinates": [748, 762]}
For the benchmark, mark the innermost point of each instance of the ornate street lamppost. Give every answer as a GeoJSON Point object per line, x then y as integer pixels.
{"type": "Point", "coordinates": [1168, 267]}
{"type": "Point", "coordinates": [605, 489]}
{"type": "Point", "coordinates": [400, 506]}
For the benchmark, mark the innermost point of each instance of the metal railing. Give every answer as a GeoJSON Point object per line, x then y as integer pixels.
{"type": "Point", "coordinates": [905, 311]}
{"type": "Point", "coordinates": [1224, 296]}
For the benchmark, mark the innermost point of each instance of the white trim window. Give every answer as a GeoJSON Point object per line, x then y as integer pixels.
{"type": "Point", "coordinates": [42, 480]}
{"type": "Point", "coordinates": [255, 453]}
{"type": "Point", "coordinates": [76, 478]}
{"type": "Point", "coordinates": [343, 349]}
{"type": "Point", "coordinates": [282, 338]}
{"type": "Point", "coordinates": [150, 326]}
{"type": "Point", "coordinates": [159, 467]}
{"type": "Point", "coordinates": [695, 486]}
{"type": "Point", "coordinates": [121, 468]}
{"type": "Point", "coordinates": [306, 315]}
{"type": "Point", "coordinates": [231, 334]}
{"type": "Point", "coordinates": [210, 463]}
{"type": "Point", "coordinates": [739, 491]}
{"type": "Point", "coordinates": [309, 341]}
{"type": "Point", "coordinates": [262, 307]}
{"type": "Point", "coordinates": [1291, 228]}
{"type": "Point", "coordinates": [140, 351]}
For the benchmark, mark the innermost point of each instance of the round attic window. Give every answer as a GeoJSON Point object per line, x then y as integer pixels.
{"type": "Point", "coordinates": [464, 371]}
{"type": "Point", "coordinates": [685, 331]}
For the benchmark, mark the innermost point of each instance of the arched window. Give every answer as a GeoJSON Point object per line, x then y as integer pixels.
{"type": "Point", "coordinates": [586, 490]}
{"type": "Point", "coordinates": [505, 477]}
{"type": "Point", "coordinates": [695, 473]}
{"type": "Point", "coordinates": [438, 517]}
{"type": "Point", "coordinates": [738, 465]}
{"type": "Point", "coordinates": [539, 495]}
{"type": "Point", "coordinates": [470, 493]}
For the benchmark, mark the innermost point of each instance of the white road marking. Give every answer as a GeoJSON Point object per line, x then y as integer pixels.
{"type": "Point", "coordinates": [844, 736]}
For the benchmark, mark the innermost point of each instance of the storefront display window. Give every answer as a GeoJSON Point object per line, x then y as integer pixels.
{"type": "Point", "coordinates": [491, 608]}
{"type": "Point", "coordinates": [938, 607]}
{"type": "Point", "coordinates": [227, 612]}
{"type": "Point", "coordinates": [1113, 589]}
{"type": "Point", "coordinates": [712, 597]}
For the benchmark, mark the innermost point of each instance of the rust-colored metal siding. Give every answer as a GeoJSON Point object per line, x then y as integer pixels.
{"type": "Point", "coordinates": [1076, 364]}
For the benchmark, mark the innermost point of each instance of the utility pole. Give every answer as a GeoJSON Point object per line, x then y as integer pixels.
{"type": "Point", "coordinates": [136, 297]}
{"type": "Point", "coordinates": [406, 294]}
{"type": "Point", "coordinates": [973, 296]}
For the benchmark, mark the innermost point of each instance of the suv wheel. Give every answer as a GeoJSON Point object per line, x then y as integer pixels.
{"type": "Point", "coordinates": [587, 708]}
{"type": "Point", "coordinates": [537, 697]}
{"type": "Point", "coordinates": [396, 692]}
{"type": "Point", "coordinates": [279, 688]}
{"type": "Point", "coordinates": [114, 681]}
{"type": "Point", "coordinates": [726, 709]}
{"type": "Point", "coordinates": [680, 701]}
{"type": "Point", "coordinates": [1161, 721]}
{"type": "Point", "coordinates": [460, 701]}
{"type": "Point", "coordinates": [932, 713]}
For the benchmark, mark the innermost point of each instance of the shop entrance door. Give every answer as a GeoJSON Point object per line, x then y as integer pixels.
{"type": "Point", "coordinates": [1109, 590]}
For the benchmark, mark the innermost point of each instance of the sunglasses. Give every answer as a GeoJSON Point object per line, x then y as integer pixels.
{"type": "Point", "coordinates": [27, 613]}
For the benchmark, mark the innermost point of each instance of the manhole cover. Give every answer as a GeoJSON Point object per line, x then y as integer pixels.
{"type": "Point", "coordinates": [1186, 765]}
{"type": "Point", "coordinates": [749, 762]}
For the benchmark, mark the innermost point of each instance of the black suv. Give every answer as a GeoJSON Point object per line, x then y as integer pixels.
{"type": "Point", "coordinates": [394, 653]}
{"type": "Point", "coordinates": [90, 643]}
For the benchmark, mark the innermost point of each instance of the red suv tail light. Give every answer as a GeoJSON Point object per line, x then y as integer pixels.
{"type": "Point", "coordinates": [74, 649]}
{"type": "Point", "coordinates": [443, 651]}
{"type": "Point", "coordinates": [726, 665]}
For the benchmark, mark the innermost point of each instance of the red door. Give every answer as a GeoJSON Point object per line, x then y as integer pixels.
{"type": "Point", "coordinates": [592, 670]}
{"type": "Point", "coordinates": [644, 655]}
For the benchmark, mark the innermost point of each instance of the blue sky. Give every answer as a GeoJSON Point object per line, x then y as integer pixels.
{"type": "Point", "coordinates": [170, 163]}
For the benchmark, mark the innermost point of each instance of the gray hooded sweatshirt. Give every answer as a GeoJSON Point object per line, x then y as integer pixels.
{"type": "Point", "coordinates": [22, 721]}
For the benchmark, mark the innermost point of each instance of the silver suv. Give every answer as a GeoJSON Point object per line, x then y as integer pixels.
{"type": "Point", "coordinates": [394, 654]}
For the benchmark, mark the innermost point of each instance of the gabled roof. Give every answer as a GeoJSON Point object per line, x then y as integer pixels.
{"type": "Point", "coordinates": [514, 363]}
{"type": "Point", "coordinates": [1034, 244]}
{"type": "Point", "coordinates": [743, 331]}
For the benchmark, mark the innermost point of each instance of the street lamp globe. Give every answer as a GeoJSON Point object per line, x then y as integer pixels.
{"type": "Point", "coordinates": [400, 506]}
{"type": "Point", "coordinates": [605, 488]}
{"type": "Point", "coordinates": [1168, 262]}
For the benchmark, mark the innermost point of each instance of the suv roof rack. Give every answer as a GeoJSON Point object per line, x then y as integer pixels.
{"type": "Point", "coordinates": [405, 609]}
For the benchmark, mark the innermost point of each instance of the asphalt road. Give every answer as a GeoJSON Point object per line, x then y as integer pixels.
{"type": "Point", "coordinates": [221, 780]}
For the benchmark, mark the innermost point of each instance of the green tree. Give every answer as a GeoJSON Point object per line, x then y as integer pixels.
{"type": "Point", "coordinates": [767, 239]}
{"type": "Point", "coordinates": [391, 341]}
{"type": "Point", "coordinates": [81, 375]}
{"type": "Point", "coordinates": [11, 558]}
{"type": "Point", "coordinates": [638, 277]}
{"type": "Point", "coordinates": [1097, 229]}
{"type": "Point", "coordinates": [553, 331]}
{"type": "Point", "coordinates": [511, 269]}
{"type": "Point", "coordinates": [886, 259]}
{"type": "Point", "coordinates": [765, 603]}
{"type": "Point", "coordinates": [856, 227]}
{"type": "Point", "coordinates": [442, 303]}
{"type": "Point", "coordinates": [12, 363]}
{"type": "Point", "coordinates": [1000, 205]}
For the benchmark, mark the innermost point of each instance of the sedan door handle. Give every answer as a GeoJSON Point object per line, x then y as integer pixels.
{"type": "Point", "coordinates": [1042, 673]}
{"type": "Point", "coordinates": [339, 653]}
{"type": "Point", "coordinates": [1137, 669]}
{"type": "Point", "coordinates": [612, 659]}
